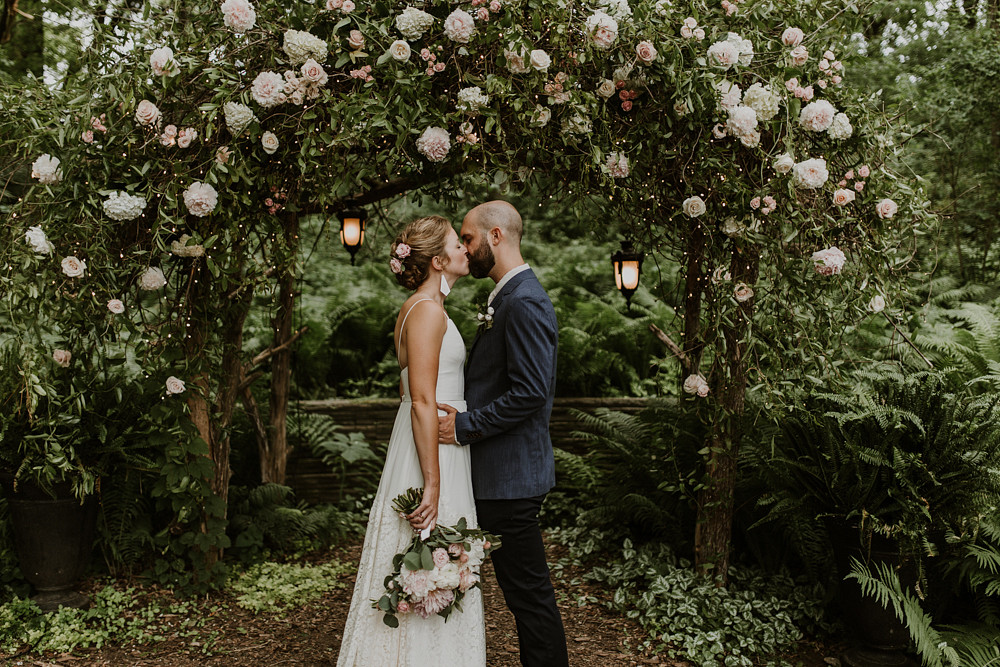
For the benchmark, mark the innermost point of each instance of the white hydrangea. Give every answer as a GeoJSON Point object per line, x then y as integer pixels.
{"type": "Point", "coordinates": [841, 127]}
{"type": "Point", "coordinates": [152, 279]}
{"type": "Point", "coordinates": [412, 23]}
{"type": "Point", "coordinates": [39, 243]}
{"type": "Point", "coordinates": [300, 46]}
{"type": "Point", "coordinates": [472, 99]}
{"type": "Point", "coordinates": [742, 121]}
{"type": "Point", "coordinates": [763, 100]}
{"type": "Point", "coordinates": [46, 169]}
{"type": "Point", "coordinates": [123, 206]}
{"type": "Point", "coordinates": [743, 46]}
{"type": "Point", "coordinates": [238, 117]}
{"type": "Point", "coordinates": [617, 9]}
{"type": "Point", "coordinates": [662, 7]}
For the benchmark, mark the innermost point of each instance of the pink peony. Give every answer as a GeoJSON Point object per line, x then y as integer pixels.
{"type": "Point", "coordinates": [440, 557]}
{"type": "Point", "coordinates": [886, 208]}
{"type": "Point", "coordinates": [495, 6]}
{"type": "Point", "coordinates": [200, 199]}
{"type": "Point", "coordinates": [455, 550]}
{"type": "Point", "coordinates": [466, 579]}
{"type": "Point", "coordinates": [416, 583]}
{"type": "Point", "coordinates": [603, 29]}
{"type": "Point", "coordinates": [459, 26]}
{"type": "Point", "coordinates": [434, 602]}
{"type": "Point", "coordinates": [792, 85]}
{"type": "Point", "coordinates": [347, 7]}
{"type": "Point", "coordinates": [829, 262]}
{"type": "Point", "coordinates": [238, 15]}
{"type": "Point", "coordinates": [755, 203]}
{"type": "Point", "coordinates": [434, 144]}
{"type": "Point", "coordinates": [792, 36]}
{"type": "Point", "coordinates": [268, 89]}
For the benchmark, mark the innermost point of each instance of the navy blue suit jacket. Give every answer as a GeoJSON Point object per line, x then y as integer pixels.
{"type": "Point", "coordinates": [510, 379]}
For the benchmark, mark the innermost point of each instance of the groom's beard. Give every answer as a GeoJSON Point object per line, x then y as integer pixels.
{"type": "Point", "coordinates": [482, 261]}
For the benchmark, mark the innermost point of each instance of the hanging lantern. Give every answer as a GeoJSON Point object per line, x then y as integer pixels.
{"type": "Point", "coordinates": [628, 264]}
{"type": "Point", "coordinates": [352, 227]}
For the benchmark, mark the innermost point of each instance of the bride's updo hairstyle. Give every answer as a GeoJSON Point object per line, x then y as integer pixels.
{"type": "Point", "coordinates": [421, 241]}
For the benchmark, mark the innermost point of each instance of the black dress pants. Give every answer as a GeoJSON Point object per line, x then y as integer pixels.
{"type": "Point", "coordinates": [523, 575]}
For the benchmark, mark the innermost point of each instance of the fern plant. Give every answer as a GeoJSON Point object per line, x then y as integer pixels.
{"type": "Point", "coordinates": [903, 455]}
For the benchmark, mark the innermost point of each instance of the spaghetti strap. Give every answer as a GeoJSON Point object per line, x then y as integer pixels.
{"type": "Point", "coordinates": [414, 305]}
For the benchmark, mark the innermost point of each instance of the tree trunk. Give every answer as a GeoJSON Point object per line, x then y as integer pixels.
{"type": "Point", "coordinates": [713, 532]}
{"type": "Point", "coordinates": [693, 288]}
{"type": "Point", "coordinates": [274, 457]}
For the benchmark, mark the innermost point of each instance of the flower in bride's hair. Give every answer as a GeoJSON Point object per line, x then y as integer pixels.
{"type": "Point", "coordinates": [402, 251]}
{"type": "Point", "coordinates": [396, 265]}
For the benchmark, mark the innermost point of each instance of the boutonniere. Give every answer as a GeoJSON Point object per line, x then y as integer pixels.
{"type": "Point", "coordinates": [485, 317]}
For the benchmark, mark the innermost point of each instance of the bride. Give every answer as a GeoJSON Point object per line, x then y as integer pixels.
{"type": "Point", "coordinates": [426, 257]}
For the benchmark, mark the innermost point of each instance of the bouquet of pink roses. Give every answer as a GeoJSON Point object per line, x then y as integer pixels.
{"type": "Point", "coordinates": [436, 570]}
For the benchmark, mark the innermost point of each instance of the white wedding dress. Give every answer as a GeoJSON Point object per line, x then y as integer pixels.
{"type": "Point", "coordinates": [417, 642]}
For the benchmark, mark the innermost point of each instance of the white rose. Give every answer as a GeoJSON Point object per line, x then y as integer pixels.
{"type": "Point", "coordinates": [62, 357]}
{"type": "Point", "coordinates": [799, 55]}
{"type": "Point", "coordinates": [696, 384]}
{"type": "Point", "coordinates": [810, 174]}
{"type": "Point", "coordinates": [162, 62]}
{"type": "Point", "coordinates": [459, 26]}
{"type": "Point", "coordinates": [147, 113]}
{"type": "Point", "coordinates": [877, 304]}
{"type": "Point", "coordinates": [269, 140]}
{"type": "Point", "coordinates": [400, 50]}
{"type": "Point", "coordinates": [175, 385]}
{"type": "Point", "coordinates": [783, 163]}
{"type": "Point", "coordinates": [73, 267]}
{"type": "Point", "coordinates": [540, 60]}
{"type": "Point", "coordinates": [152, 279]}
{"type": "Point", "coordinates": [39, 243]}
{"type": "Point", "coordinates": [606, 89]}
{"type": "Point", "coordinates": [732, 228]}
{"type": "Point", "coordinates": [182, 248]}
{"type": "Point", "coordinates": [886, 208]}
{"type": "Point", "coordinates": [313, 72]}
{"type": "Point", "coordinates": [843, 197]}
{"type": "Point", "coordinates": [792, 36]}
{"type": "Point", "coordinates": [116, 306]}
{"type": "Point", "coordinates": [723, 54]}
{"type": "Point", "coordinates": [743, 292]}
{"type": "Point", "coordinates": [694, 206]}
{"type": "Point", "coordinates": [540, 116]}
{"type": "Point", "coordinates": [645, 52]}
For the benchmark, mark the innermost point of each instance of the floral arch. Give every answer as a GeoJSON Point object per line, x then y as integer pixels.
{"type": "Point", "coordinates": [148, 204]}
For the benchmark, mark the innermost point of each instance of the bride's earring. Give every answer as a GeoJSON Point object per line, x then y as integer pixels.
{"type": "Point", "coordinates": [445, 288]}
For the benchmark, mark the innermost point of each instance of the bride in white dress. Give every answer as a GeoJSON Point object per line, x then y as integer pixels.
{"type": "Point", "coordinates": [428, 258]}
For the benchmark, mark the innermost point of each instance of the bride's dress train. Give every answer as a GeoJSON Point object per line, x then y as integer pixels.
{"type": "Point", "coordinates": [368, 642]}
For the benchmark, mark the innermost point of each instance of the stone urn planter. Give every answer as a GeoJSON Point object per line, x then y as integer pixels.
{"type": "Point", "coordinates": [879, 638]}
{"type": "Point", "coordinates": [53, 538]}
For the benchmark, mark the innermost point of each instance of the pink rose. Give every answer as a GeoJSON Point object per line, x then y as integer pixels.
{"type": "Point", "coordinates": [356, 40]}
{"type": "Point", "coordinates": [483, 14]}
{"type": "Point", "coordinates": [755, 203]}
{"type": "Point", "coordinates": [403, 607]}
{"type": "Point", "coordinates": [313, 72]}
{"type": "Point", "coordinates": [863, 171]}
{"type": "Point", "coordinates": [886, 208]}
{"type": "Point", "coordinates": [843, 197]}
{"type": "Point", "coordinates": [699, 34]}
{"type": "Point", "coordinates": [696, 384]}
{"type": "Point", "coordinates": [836, 79]}
{"type": "Point", "coordinates": [646, 52]}
{"type": "Point", "coordinates": [486, 545]}
{"type": "Point", "coordinates": [440, 557]}
{"type": "Point", "coordinates": [859, 186]}
{"type": "Point", "coordinates": [331, 5]}
{"type": "Point", "coordinates": [807, 93]}
{"type": "Point", "coordinates": [222, 155]}
{"type": "Point", "coordinates": [686, 32]}
{"type": "Point", "coordinates": [792, 36]}
{"type": "Point", "coordinates": [828, 55]}
{"type": "Point", "coordinates": [821, 83]}
{"type": "Point", "coordinates": [347, 7]}
{"type": "Point", "coordinates": [799, 55]}
{"type": "Point", "coordinates": [849, 174]}
{"type": "Point", "coordinates": [402, 251]}
{"type": "Point", "coordinates": [439, 67]}
{"type": "Point", "coordinates": [792, 85]}
{"type": "Point", "coordinates": [395, 265]}
{"type": "Point", "coordinates": [87, 137]}
{"type": "Point", "coordinates": [98, 123]}
{"type": "Point", "coordinates": [62, 357]}
{"type": "Point", "coordinates": [186, 136]}
{"type": "Point", "coordinates": [425, 54]}
{"type": "Point", "coordinates": [495, 6]}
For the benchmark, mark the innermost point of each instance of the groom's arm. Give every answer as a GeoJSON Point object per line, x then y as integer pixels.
{"type": "Point", "coordinates": [531, 337]}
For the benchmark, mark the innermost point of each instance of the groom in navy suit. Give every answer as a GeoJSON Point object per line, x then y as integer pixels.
{"type": "Point", "coordinates": [510, 379]}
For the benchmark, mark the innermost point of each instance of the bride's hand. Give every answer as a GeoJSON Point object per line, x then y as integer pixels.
{"type": "Point", "coordinates": [425, 516]}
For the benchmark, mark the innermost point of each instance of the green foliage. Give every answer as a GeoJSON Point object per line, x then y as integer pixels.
{"type": "Point", "coordinates": [113, 617]}
{"type": "Point", "coordinates": [264, 520]}
{"type": "Point", "coordinates": [755, 617]}
{"type": "Point", "coordinates": [901, 455]}
{"type": "Point", "coordinates": [278, 586]}
{"type": "Point", "coordinates": [638, 475]}
{"type": "Point", "coordinates": [349, 455]}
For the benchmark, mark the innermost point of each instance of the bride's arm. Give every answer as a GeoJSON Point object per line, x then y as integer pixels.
{"type": "Point", "coordinates": [424, 333]}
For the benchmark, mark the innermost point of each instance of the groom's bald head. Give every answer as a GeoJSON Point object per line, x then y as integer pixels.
{"type": "Point", "coordinates": [498, 214]}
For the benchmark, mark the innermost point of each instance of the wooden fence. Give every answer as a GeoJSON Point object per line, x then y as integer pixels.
{"type": "Point", "coordinates": [314, 482]}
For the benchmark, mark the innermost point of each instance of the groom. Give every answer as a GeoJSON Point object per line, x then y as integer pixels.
{"type": "Point", "coordinates": [510, 380]}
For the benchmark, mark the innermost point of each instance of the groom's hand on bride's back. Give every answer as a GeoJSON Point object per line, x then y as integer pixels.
{"type": "Point", "coordinates": [446, 425]}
